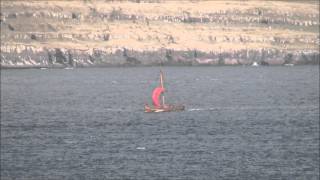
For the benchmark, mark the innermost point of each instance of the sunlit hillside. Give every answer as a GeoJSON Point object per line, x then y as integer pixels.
{"type": "Point", "coordinates": [153, 26]}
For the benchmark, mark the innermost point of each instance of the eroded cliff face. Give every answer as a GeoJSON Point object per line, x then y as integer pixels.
{"type": "Point", "coordinates": [116, 33]}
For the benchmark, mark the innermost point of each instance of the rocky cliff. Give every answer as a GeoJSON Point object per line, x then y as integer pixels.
{"type": "Point", "coordinates": [153, 32]}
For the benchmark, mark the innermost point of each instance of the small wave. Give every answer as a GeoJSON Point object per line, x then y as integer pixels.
{"type": "Point", "coordinates": [196, 109]}
{"type": "Point", "coordinates": [253, 108]}
{"type": "Point", "coordinates": [118, 110]}
{"type": "Point", "coordinates": [141, 148]}
{"type": "Point", "coordinates": [224, 108]}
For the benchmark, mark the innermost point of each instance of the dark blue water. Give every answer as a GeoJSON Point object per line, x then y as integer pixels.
{"type": "Point", "coordinates": [239, 123]}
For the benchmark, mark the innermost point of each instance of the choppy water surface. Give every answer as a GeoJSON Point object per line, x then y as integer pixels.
{"type": "Point", "coordinates": [240, 123]}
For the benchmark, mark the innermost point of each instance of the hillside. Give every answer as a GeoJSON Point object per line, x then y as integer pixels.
{"type": "Point", "coordinates": [106, 33]}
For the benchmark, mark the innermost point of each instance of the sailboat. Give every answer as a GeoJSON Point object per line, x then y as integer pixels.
{"type": "Point", "coordinates": [158, 105]}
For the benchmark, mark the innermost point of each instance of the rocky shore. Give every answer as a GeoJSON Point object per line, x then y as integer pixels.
{"type": "Point", "coordinates": [57, 34]}
{"type": "Point", "coordinates": [60, 58]}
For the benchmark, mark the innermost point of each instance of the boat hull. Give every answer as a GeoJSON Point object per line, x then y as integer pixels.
{"type": "Point", "coordinates": [169, 108]}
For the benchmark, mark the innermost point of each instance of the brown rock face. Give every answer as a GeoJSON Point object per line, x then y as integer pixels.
{"type": "Point", "coordinates": [95, 33]}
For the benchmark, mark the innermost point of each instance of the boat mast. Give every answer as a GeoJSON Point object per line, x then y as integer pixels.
{"type": "Point", "coordinates": [161, 83]}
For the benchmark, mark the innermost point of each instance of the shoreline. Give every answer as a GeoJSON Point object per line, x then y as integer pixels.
{"type": "Point", "coordinates": [146, 66]}
{"type": "Point", "coordinates": [24, 57]}
{"type": "Point", "coordinates": [130, 33]}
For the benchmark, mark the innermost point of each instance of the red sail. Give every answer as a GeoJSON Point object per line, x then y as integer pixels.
{"type": "Point", "coordinates": [155, 96]}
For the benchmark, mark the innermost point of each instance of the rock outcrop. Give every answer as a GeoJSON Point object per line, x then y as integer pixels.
{"type": "Point", "coordinates": [131, 33]}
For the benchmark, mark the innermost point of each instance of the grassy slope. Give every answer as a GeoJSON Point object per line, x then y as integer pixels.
{"type": "Point", "coordinates": [139, 36]}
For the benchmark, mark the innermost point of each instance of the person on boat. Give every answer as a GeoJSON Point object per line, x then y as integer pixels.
{"type": "Point", "coordinates": [147, 107]}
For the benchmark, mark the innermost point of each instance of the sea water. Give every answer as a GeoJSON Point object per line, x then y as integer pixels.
{"type": "Point", "coordinates": [239, 123]}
